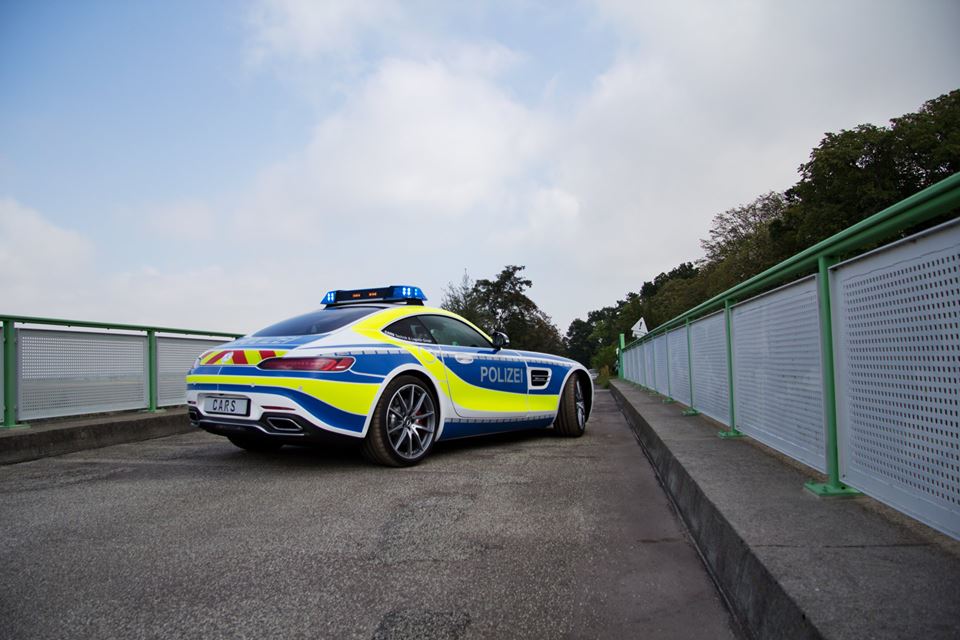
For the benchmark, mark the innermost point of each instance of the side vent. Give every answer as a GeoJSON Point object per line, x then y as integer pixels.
{"type": "Point", "coordinates": [539, 378]}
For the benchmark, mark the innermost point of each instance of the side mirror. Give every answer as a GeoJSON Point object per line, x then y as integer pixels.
{"type": "Point", "coordinates": [500, 340]}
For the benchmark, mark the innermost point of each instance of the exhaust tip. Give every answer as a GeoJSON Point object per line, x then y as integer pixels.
{"type": "Point", "coordinates": [284, 424]}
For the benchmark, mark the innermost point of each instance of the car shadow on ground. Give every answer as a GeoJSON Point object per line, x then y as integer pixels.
{"type": "Point", "coordinates": [466, 446]}
{"type": "Point", "coordinates": [346, 454]}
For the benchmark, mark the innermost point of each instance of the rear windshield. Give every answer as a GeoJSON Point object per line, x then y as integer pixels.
{"type": "Point", "coordinates": [322, 321]}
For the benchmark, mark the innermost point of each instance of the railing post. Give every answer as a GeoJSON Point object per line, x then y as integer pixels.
{"type": "Point", "coordinates": [690, 411]}
{"type": "Point", "coordinates": [9, 373]}
{"type": "Point", "coordinates": [620, 358]}
{"type": "Point", "coordinates": [152, 371]}
{"type": "Point", "coordinates": [833, 486]}
{"type": "Point", "coordinates": [732, 432]}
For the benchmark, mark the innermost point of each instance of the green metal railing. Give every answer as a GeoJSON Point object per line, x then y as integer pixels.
{"type": "Point", "coordinates": [936, 200]}
{"type": "Point", "coordinates": [10, 354]}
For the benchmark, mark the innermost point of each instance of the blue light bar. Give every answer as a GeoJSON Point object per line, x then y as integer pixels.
{"type": "Point", "coordinates": [393, 293]}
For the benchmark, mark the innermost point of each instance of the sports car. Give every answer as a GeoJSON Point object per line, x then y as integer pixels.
{"type": "Point", "coordinates": [379, 366]}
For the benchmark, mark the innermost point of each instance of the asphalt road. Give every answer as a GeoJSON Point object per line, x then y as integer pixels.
{"type": "Point", "coordinates": [521, 536]}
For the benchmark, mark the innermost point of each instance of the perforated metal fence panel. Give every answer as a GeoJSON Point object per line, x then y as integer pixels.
{"type": "Point", "coordinates": [650, 363]}
{"type": "Point", "coordinates": [632, 362]}
{"type": "Point", "coordinates": [642, 364]}
{"type": "Point", "coordinates": [897, 331]}
{"type": "Point", "coordinates": [679, 365]}
{"type": "Point", "coordinates": [711, 390]}
{"type": "Point", "coordinates": [65, 373]}
{"type": "Point", "coordinates": [660, 364]}
{"type": "Point", "coordinates": [175, 357]}
{"type": "Point", "coordinates": [629, 365]}
{"type": "Point", "coordinates": [778, 388]}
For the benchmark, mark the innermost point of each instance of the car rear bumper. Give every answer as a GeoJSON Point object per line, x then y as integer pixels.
{"type": "Point", "coordinates": [272, 411]}
{"type": "Point", "coordinates": [282, 427]}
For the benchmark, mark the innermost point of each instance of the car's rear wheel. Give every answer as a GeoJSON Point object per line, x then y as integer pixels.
{"type": "Point", "coordinates": [404, 424]}
{"type": "Point", "coordinates": [255, 444]}
{"type": "Point", "coordinates": [572, 418]}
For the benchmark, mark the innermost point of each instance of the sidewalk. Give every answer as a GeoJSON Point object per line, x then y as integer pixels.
{"type": "Point", "coordinates": [790, 564]}
{"type": "Point", "coordinates": [56, 437]}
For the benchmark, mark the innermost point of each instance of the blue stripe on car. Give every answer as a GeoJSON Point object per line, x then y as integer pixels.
{"type": "Point", "coordinates": [557, 374]}
{"type": "Point", "coordinates": [490, 373]}
{"type": "Point", "coordinates": [321, 410]}
{"type": "Point", "coordinates": [455, 429]}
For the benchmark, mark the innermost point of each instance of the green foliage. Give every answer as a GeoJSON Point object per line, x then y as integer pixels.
{"type": "Point", "coordinates": [580, 346]}
{"type": "Point", "coordinates": [464, 300]}
{"type": "Point", "coordinates": [501, 304]}
{"type": "Point", "coordinates": [849, 176]}
{"type": "Point", "coordinates": [606, 357]}
{"type": "Point", "coordinates": [603, 379]}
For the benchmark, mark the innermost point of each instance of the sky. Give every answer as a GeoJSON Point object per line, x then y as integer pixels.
{"type": "Point", "coordinates": [221, 165]}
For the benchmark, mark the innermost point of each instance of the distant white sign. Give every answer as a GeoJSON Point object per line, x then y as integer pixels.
{"type": "Point", "coordinates": [639, 329]}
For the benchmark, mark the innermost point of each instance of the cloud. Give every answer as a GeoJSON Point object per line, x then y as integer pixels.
{"type": "Point", "coordinates": [39, 261]}
{"type": "Point", "coordinates": [418, 143]}
{"type": "Point", "coordinates": [305, 28]}
{"type": "Point", "coordinates": [56, 272]}
{"type": "Point", "coordinates": [709, 104]}
{"type": "Point", "coordinates": [426, 157]}
{"type": "Point", "coordinates": [705, 106]}
{"type": "Point", "coordinates": [169, 221]}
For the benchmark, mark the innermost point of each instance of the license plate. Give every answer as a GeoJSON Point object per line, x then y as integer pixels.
{"type": "Point", "coordinates": [227, 406]}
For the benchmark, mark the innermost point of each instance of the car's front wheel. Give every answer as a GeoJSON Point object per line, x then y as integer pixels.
{"type": "Point", "coordinates": [255, 444]}
{"type": "Point", "coordinates": [572, 417]}
{"type": "Point", "coordinates": [404, 424]}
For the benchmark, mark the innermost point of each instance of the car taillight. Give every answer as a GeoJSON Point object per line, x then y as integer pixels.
{"type": "Point", "coordinates": [307, 364]}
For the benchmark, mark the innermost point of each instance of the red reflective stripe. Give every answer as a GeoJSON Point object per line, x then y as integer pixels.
{"type": "Point", "coordinates": [239, 357]}
{"type": "Point", "coordinates": [267, 354]}
{"type": "Point", "coordinates": [217, 357]}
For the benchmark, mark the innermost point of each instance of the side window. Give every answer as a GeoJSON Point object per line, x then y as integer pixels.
{"type": "Point", "coordinates": [409, 329]}
{"type": "Point", "coordinates": [453, 332]}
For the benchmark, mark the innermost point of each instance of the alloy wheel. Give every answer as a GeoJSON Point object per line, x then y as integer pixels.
{"type": "Point", "coordinates": [411, 421]}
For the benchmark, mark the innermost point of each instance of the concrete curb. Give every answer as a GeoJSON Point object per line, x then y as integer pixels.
{"type": "Point", "coordinates": [791, 564]}
{"type": "Point", "coordinates": [20, 445]}
{"type": "Point", "coordinates": [756, 598]}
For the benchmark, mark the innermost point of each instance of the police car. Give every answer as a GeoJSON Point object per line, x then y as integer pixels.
{"type": "Point", "coordinates": [379, 366]}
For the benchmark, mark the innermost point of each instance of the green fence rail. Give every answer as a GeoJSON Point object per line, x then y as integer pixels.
{"type": "Point", "coordinates": [932, 202]}
{"type": "Point", "coordinates": [10, 353]}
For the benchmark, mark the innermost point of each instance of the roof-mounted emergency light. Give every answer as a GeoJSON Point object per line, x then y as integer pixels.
{"type": "Point", "coordinates": [393, 293]}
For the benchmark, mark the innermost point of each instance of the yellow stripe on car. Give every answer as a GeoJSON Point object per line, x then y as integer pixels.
{"type": "Point", "coordinates": [351, 397]}
{"type": "Point", "coordinates": [473, 398]}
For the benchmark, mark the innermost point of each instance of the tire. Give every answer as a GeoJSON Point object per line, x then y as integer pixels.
{"type": "Point", "coordinates": [571, 419]}
{"type": "Point", "coordinates": [404, 424]}
{"type": "Point", "coordinates": [255, 444]}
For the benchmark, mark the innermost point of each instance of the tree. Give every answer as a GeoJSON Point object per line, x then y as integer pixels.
{"type": "Point", "coordinates": [501, 304]}
{"type": "Point", "coordinates": [926, 144]}
{"type": "Point", "coordinates": [854, 174]}
{"type": "Point", "coordinates": [579, 344]}
{"type": "Point", "coordinates": [463, 300]}
{"type": "Point", "coordinates": [849, 176]}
